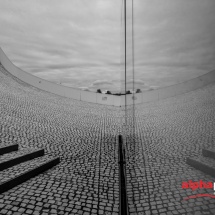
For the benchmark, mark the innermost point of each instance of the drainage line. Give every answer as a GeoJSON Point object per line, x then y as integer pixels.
{"type": "Point", "coordinates": [123, 200]}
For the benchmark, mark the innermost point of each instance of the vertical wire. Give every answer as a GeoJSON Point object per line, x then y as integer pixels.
{"type": "Point", "coordinates": [121, 61]}
{"type": "Point", "coordinates": [122, 121]}
{"type": "Point", "coordinates": [125, 71]}
{"type": "Point", "coordinates": [132, 18]}
{"type": "Point", "coordinates": [133, 72]}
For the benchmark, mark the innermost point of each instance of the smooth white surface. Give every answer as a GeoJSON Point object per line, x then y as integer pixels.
{"type": "Point", "coordinates": [150, 96]}
{"type": "Point", "coordinates": [132, 99]}
{"type": "Point", "coordinates": [88, 96]}
{"type": "Point", "coordinates": [166, 92]}
{"type": "Point", "coordinates": [104, 99]}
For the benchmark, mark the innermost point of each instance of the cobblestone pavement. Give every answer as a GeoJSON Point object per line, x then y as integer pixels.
{"type": "Point", "coordinates": [83, 135]}
{"type": "Point", "coordinates": [167, 132]}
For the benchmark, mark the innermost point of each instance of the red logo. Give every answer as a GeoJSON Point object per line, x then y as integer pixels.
{"type": "Point", "coordinates": [194, 185]}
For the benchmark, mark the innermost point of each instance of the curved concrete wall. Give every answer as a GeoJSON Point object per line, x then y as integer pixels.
{"type": "Point", "coordinates": [178, 89]}
{"type": "Point", "coordinates": [38, 82]}
{"type": "Point", "coordinates": [106, 99]}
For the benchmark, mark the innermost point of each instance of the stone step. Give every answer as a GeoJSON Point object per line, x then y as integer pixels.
{"type": "Point", "coordinates": [204, 164]}
{"type": "Point", "coordinates": [22, 172]}
{"type": "Point", "coordinates": [209, 153]}
{"type": "Point", "coordinates": [10, 159]}
{"type": "Point", "coordinates": [7, 149]}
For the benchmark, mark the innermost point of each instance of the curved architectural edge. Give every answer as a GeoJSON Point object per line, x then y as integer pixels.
{"type": "Point", "coordinates": [56, 88]}
{"type": "Point", "coordinates": [105, 99]}
{"type": "Point", "coordinates": [173, 90]}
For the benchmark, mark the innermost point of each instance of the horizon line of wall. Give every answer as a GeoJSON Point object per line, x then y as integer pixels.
{"type": "Point", "coordinates": [106, 99]}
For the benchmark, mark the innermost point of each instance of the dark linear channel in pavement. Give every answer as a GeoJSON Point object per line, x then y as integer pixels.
{"type": "Point", "coordinates": [123, 207]}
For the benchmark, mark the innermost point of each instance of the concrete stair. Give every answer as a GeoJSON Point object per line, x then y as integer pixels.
{"type": "Point", "coordinates": [10, 159]}
{"type": "Point", "coordinates": [18, 166]}
{"type": "Point", "coordinates": [7, 149]}
{"type": "Point", "coordinates": [204, 163]}
{"type": "Point", "coordinates": [209, 153]}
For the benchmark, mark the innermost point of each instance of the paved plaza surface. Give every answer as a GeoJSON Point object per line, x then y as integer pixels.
{"type": "Point", "coordinates": [159, 139]}
{"type": "Point", "coordinates": [167, 133]}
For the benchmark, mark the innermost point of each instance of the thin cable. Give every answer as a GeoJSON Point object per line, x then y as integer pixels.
{"type": "Point", "coordinates": [125, 71]}
{"type": "Point", "coordinates": [133, 41]}
{"type": "Point", "coordinates": [133, 72]}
